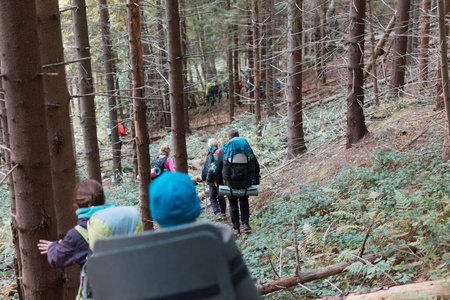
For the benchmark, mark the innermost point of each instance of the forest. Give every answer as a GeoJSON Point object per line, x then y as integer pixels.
{"type": "Point", "coordinates": [345, 103]}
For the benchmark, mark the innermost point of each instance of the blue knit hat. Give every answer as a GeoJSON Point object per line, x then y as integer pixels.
{"type": "Point", "coordinates": [174, 200]}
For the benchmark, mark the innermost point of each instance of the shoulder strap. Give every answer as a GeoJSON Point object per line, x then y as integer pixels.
{"type": "Point", "coordinates": [83, 231]}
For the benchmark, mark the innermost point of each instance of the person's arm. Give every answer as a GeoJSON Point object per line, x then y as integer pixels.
{"type": "Point", "coordinates": [168, 165]}
{"type": "Point", "coordinates": [67, 252]}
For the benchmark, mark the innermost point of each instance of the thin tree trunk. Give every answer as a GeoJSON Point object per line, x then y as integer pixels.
{"type": "Point", "coordinates": [439, 91]}
{"type": "Point", "coordinates": [59, 127]}
{"type": "Point", "coordinates": [379, 48]}
{"type": "Point", "coordinates": [231, 80]}
{"type": "Point", "coordinates": [184, 50]}
{"type": "Point", "coordinates": [270, 73]}
{"type": "Point", "coordinates": [109, 63]}
{"type": "Point", "coordinates": [85, 82]}
{"type": "Point", "coordinates": [372, 48]}
{"type": "Point", "coordinates": [444, 74]}
{"type": "Point", "coordinates": [424, 43]}
{"type": "Point", "coordinates": [163, 66]}
{"type": "Point", "coordinates": [296, 140]}
{"type": "Point", "coordinates": [256, 67]}
{"type": "Point", "coordinates": [251, 59]}
{"type": "Point", "coordinates": [397, 81]}
{"type": "Point", "coordinates": [237, 88]}
{"type": "Point", "coordinates": [140, 109]}
{"type": "Point", "coordinates": [30, 154]}
{"type": "Point", "coordinates": [176, 85]}
{"type": "Point", "coordinates": [356, 128]}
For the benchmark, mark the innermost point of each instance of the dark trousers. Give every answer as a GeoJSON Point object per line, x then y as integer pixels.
{"type": "Point", "coordinates": [236, 203]}
{"type": "Point", "coordinates": [218, 202]}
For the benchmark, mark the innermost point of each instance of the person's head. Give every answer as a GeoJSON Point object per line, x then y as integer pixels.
{"type": "Point", "coordinates": [174, 200]}
{"type": "Point", "coordinates": [232, 133]}
{"type": "Point", "coordinates": [164, 149]}
{"type": "Point", "coordinates": [88, 193]}
{"type": "Point", "coordinates": [212, 142]}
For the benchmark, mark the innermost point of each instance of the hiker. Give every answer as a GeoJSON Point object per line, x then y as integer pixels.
{"type": "Point", "coordinates": [122, 131]}
{"type": "Point", "coordinates": [240, 170]}
{"type": "Point", "coordinates": [214, 179]}
{"type": "Point", "coordinates": [73, 249]}
{"type": "Point", "coordinates": [214, 93]}
{"type": "Point", "coordinates": [207, 89]}
{"type": "Point", "coordinates": [174, 200]}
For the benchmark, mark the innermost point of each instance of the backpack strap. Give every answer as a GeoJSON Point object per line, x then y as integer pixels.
{"type": "Point", "coordinates": [83, 232]}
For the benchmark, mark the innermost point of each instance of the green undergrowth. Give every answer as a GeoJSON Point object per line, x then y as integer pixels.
{"type": "Point", "coordinates": [403, 197]}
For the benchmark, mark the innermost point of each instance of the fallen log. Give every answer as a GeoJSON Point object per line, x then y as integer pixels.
{"type": "Point", "coordinates": [307, 276]}
{"type": "Point", "coordinates": [437, 289]}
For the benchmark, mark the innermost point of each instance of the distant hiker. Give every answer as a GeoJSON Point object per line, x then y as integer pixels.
{"type": "Point", "coordinates": [214, 179]}
{"type": "Point", "coordinates": [174, 200]}
{"type": "Point", "coordinates": [240, 170]}
{"type": "Point", "coordinates": [73, 249]}
{"type": "Point", "coordinates": [122, 131]}
{"type": "Point", "coordinates": [262, 89]}
{"type": "Point", "coordinates": [207, 89]}
{"type": "Point", "coordinates": [214, 93]}
{"type": "Point", "coordinates": [162, 162]}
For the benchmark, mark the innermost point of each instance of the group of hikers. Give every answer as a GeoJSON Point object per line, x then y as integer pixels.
{"type": "Point", "coordinates": [173, 200]}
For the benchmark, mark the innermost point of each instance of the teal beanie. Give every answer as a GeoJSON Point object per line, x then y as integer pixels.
{"type": "Point", "coordinates": [174, 200]}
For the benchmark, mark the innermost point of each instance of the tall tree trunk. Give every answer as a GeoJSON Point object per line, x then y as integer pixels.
{"type": "Point", "coordinates": [257, 72]}
{"type": "Point", "coordinates": [439, 90]}
{"type": "Point", "coordinates": [397, 81]}
{"type": "Point", "coordinates": [59, 126]}
{"type": "Point", "coordinates": [250, 57]}
{"type": "Point", "coordinates": [270, 73]}
{"type": "Point", "coordinates": [372, 48]}
{"type": "Point", "coordinates": [184, 49]}
{"type": "Point", "coordinates": [229, 37]}
{"type": "Point", "coordinates": [140, 109]}
{"type": "Point", "coordinates": [163, 66]}
{"type": "Point", "coordinates": [10, 182]}
{"type": "Point", "coordinates": [108, 55]}
{"type": "Point", "coordinates": [30, 154]}
{"type": "Point", "coordinates": [424, 43]}
{"type": "Point", "coordinates": [444, 74]}
{"type": "Point", "coordinates": [176, 85]}
{"type": "Point", "coordinates": [356, 127]}
{"type": "Point", "coordinates": [296, 140]}
{"type": "Point", "coordinates": [237, 88]}
{"type": "Point", "coordinates": [87, 109]}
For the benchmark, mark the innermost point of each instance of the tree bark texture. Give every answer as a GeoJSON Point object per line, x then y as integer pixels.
{"type": "Point", "coordinates": [439, 91]}
{"type": "Point", "coordinates": [229, 36]}
{"type": "Point", "coordinates": [270, 71]}
{"type": "Point", "coordinates": [8, 162]}
{"type": "Point", "coordinates": [140, 109]}
{"type": "Point", "coordinates": [109, 62]}
{"type": "Point", "coordinates": [176, 85]}
{"type": "Point", "coordinates": [296, 140]}
{"type": "Point", "coordinates": [397, 81]}
{"type": "Point", "coordinates": [424, 43]}
{"type": "Point", "coordinates": [257, 64]}
{"type": "Point", "coordinates": [237, 88]}
{"type": "Point", "coordinates": [184, 50]}
{"type": "Point", "coordinates": [356, 127]}
{"type": "Point", "coordinates": [444, 77]}
{"type": "Point", "coordinates": [85, 81]}
{"type": "Point", "coordinates": [30, 153]}
{"type": "Point", "coordinates": [60, 137]}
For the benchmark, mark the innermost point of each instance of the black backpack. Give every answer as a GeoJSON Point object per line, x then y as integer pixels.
{"type": "Point", "coordinates": [212, 168]}
{"type": "Point", "coordinates": [158, 163]}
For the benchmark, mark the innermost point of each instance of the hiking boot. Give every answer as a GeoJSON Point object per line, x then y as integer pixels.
{"type": "Point", "coordinates": [247, 228]}
{"type": "Point", "coordinates": [218, 217]}
{"type": "Point", "coordinates": [236, 231]}
{"type": "Point", "coordinates": [224, 216]}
